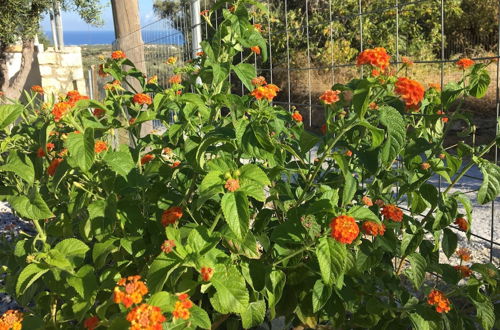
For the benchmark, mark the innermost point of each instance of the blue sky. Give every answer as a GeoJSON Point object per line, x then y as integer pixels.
{"type": "Point", "coordinates": [72, 22]}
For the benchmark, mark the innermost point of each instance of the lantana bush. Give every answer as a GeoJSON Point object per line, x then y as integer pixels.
{"type": "Point", "coordinates": [235, 215]}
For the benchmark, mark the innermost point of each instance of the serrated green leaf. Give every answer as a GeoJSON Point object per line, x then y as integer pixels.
{"type": "Point", "coordinates": [363, 213]}
{"type": "Point", "coordinates": [396, 134]}
{"type": "Point", "coordinates": [28, 276]}
{"type": "Point", "coordinates": [416, 272]}
{"type": "Point", "coordinates": [84, 281]}
{"type": "Point", "coordinates": [120, 161]}
{"type": "Point", "coordinates": [246, 72]}
{"type": "Point", "coordinates": [479, 82]}
{"type": "Point", "coordinates": [254, 173]}
{"type": "Point", "coordinates": [31, 207]}
{"type": "Point", "coordinates": [199, 317]}
{"type": "Point", "coordinates": [235, 209]}
{"type": "Point", "coordinates": [490, 188]}
{"type": "Point", "coordinates": [73, 249]}
{"type": "Point", "coordinates": [320, 295]}
{"type": "Point", "coordinates": [21, 165]}
{"type": "Point", "coordinates": [9, 114]}
{"type": "Point", "coordinates": [450, 242]}
{"type": "Point", "coordinates": [331, 259]}
{"type": "Point", "coordinates": [81, 149]}
{"type": "Point", "coordinates": [254, 314]}
{"type": "Point", "coordinates": [231, 293]}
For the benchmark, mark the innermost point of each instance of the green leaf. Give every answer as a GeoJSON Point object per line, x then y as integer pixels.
{"type": "Point", "coordinates": [490, 188]}
{"type": "Point", "coordinates": [81, 149]}
{"type": "Point", "coordinates": [416, 273]}
{"type": "Point", "coordinates": [164, 300]}
{"type": "Point", "coordinates": [212, 179]}
{"type": "Point", "coordinates": [235, 208]}
{"type": "Point", "coordinates": [84, 282]}
{"type": "Point", "coordinates": [31, 207]}
{"type": "Point", "coordinates": [275, 282]}
{"type": "Point", "coordinates": [350, 187]}
{"type": "Point", "coordinates": [479, 82]}
{"type": "Point", "coordinates": [254, 314]}
{"type": "Point", "coordinates": [21, 165]}
{"type": "Point", "coordinates": [360, 98]}
{"type": "Point", "coordinates": [377, 133]}
{"type": "Point", "coordinates": [231, 293]}
{"type": "Point", "coordinates": [410, 242]}
{"type": "Point", "coordinates": [9, 114]}
{"type": "Point", "coordinates": [320, 295]}
{"type": "Point", "coordinates": [485, 311]}
{"type": "Point", "coordinates": [199, 317]}
{"type": "Point", "coordinates": [449, 243]}
{"type": "Point", "coordinates": [73, 249]}
{"type": "Point", "coordinates": [450, 93]}
{"type": "Point", "coordinates": [28, 276]}
{"type": "Point", "coordinates": [307, 141]}
{"type": "Point", "coordinates": [254, 173]}
{"type": "Point", "coordinates": [363, 213]}
{"type": "Point", "coordinates": [396, 134]}
{"type": "Point", "coordinates": [331, 258]}
{"type": "Point", "coordinates": [246, 72]}
{"type": "Point", "coordinates": [120, 161]}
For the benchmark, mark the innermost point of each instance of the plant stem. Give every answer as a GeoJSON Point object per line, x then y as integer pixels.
{"type": "Point", "coordinates": [216, 221]}
{"type": "Point", "coordinates": [305, 248]}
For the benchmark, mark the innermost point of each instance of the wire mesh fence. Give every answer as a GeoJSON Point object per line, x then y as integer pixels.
{"type": "Point", "coordinates": [312, 45]}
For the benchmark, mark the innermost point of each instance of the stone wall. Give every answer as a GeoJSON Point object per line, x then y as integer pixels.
{"type": "Point", "coordinates": [62, 71]}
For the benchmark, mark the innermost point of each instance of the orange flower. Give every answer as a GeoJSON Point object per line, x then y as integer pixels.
{"type": "Point", "coordinates": [411, 91]}
{"type": "Point", "coordinates": [168, 246]}
{"type": "Point", "coordinates": [200, 54]}
{"type": "Point", "coordinates": [171, 60]}
{"type": "Point", "coordinates": [441, 156]}
{"type": "Point", "coordinates": [375, 73]}
{"type": "Point", "coordinates": [258, 27]}
{"type": "Point", "coordinates": [51, 170]}
{"type": "Point", "coordinates": [171, 215]}
{"type": "Point", "coordinates": [372, 228]}
{"type": "Point", "coordinates": [100, 146]}
{"type": "Point", "coordinates": [297, 116]}
{"type": "Point", "coordinates": [37, 89]}
{"type": "Point", "coordinates": [175, 79]}
{"type": "Point", "coordinates": [268, 92]}
{"type": "Point", "coordinates": [367, 201]}
{"type": "Point", "coordinates": [141, 98]}
{"type": "Point", "coordinates": [425, 166]}
{"type": "Point", "coordinates": [205, 12]}
{"type": "Point", "coordinates": [435, 86]}
{"type": "Point", "coordinates": [146, 317]}
{"type": "Point", "coordinates": [153, 80]}
{"type": "Point", "coordinates": [462, 224]}
{"type": "Point", "coordinates": [373, 106]}
{"type": "Point", "coordinates": [63, 152]}
{"type": "Point", "coordinates": [91, 323]}
{"type": "Point", "coordinates": [407, 61]}
{"type": "Point", "coordinates": [344, 229]}
{"type": "Point", "coordinates": [98, 112]}
{"type": "Point", "coordinates": [464, 254]}
{"type": "Point", "coordinates": [259, 81]}
{"type": "Point", "coordinates": [438, 299]}
{"type": "Point", "coordinates": [330, 97]}
{"type": "Point", "coordinates": [465, 63]}
{"type": "Point", "coordinates": [131, 121]}
{"type": "Point", "coordinates": [133, 293]}
{"type": "Point", "coordinates": [117, 55]}
{"type": "Point", "coordinates": [40, 152]}
{"type": "Point", "coordinates": [255, 49]}
{"type": "Point", "coordinates": [324, 129]}
{"type": "Point", "coordinates": [376, 57]}
{"type": "Point", "coordinates": [379, 203]}
{"type": "Point", "coordinates": [392, 212]}
{"type": "Point", "coordinates": [60, 110]}
{"type": "Point", "coordinates": [206, 273]}
{"type": "Point", "coordinates": [175, 164]}
{"type": "Point", "coordinates": [181, 308]}
{"type": "Point", "coordinates": [463, 270]}
{"type": "Point", "coordinates": [75, 96]}
{"type": "Point", "coordinates": [348, 153]}
{"type": "Point", "coordinates": [11, 319]}
{"type": "Point", "coordinates": [232, 185]}
{"type": "Point", "coordinates": [147, 158]}
{"type": "Point", "coordinates": [101, 72]}
{"type": "Point", "coordinates": [443, 119]}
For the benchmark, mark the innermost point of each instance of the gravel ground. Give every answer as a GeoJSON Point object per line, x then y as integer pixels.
{"type": "Point", "coordinates": [11, 226]}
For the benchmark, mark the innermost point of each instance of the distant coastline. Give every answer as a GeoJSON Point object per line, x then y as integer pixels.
{"type": "Point", "coordinates": [81, 38]}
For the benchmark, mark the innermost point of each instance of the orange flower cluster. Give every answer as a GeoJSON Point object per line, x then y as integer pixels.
{"type": "Point", "coordinates": [117, 55]}
{"type": "Point", "coordinates": [425, 166]}
{"type": "Point", "coordinates": [11, 319]}
{"type": "Point", "coordinates": [297, 116]}
{"type": "Point", "coordinates": [462, 224]}
{"type": "Point", "coordinates": [268, 92]}
{"type": "Point", "coordinates": [464, 254]}
{"type": "Point", "coordinates": [411, 91]}
{"type": "Point", "coordinates": [259, 81]}
{"type": "Point", "coordinates": [168, 246]}
{"type": "Point", "coordinates": [464, 63]}
{"type": "Point", "coordinates": [116, 84]}
{"type": "Point", "coordinates": [147, 158]}
{"type": "Point", "coordinates": [255, 49]}
{"type": "Point", "coordinates": [153, 79]}
{"type": "Point", "coordinates": [91, 323]}
{"type": "Point", "coordinates": [344, 229]}
{"type": "Point", "coordinates": [175, 79]}
{"type": "Point", "coordinates": [444, 119]}
{"type": "Point", "coordinates": [199, 54]}
{"type": "Point", "coordinates": [75, 96]}
{"type": "Point", "coordinates": [376, 57]}
{"type": "Point", "coordinates": [372, 228]}
{"type": "Point", "coordinates": [171, 60]}
{"type": "Point", "coordinates": [348, 153]}
{"type": "Point", "coordinates": [392, 212]}
{"type": "Point", "coordinates": [258, 27]}
{"type": "Point", "coordinates": [463, 270]}
{"type": "Point", "coordinates": [60, 110]}
{"type": "Point", "coordinates": [232, 185]}
{"type": "Point", "coordinates": [367, 201]}
{"type": "Point", "coordinates": [171, 215]}
{"type": "Point", "coordinates": [135, 289]}
{"type": "Point", "coordinates": [373, 106]}
{"type": "Point", "coordinates": [330, 97]}
{"type": "Point", "coordinates": [37, 89]}
{"type": "Point", "coordinates": [41, 152]}
{"type": "Point", "coordinates": [406, 61]}
{"type": "Point", "coordinates": [206, 273]}
{"type": "Point", "coordinates": [435, 86]}
{"type": "Point", "coordinates": [182, 307]}
{"type": "Point", "coordinates": [175, 164]}
{"type": "Point", "coordinates": [438, 299]}
{"type": "Point", "coordinates": [51, 170]}
{"type": "Point", "coordinates": [205, 12]}
{"type": "Point", "coordinates": [141, 98]}
{"type": "Point", "coordinates": [100, 146]}
{"type": "Point", "coordinates": [146, 317]}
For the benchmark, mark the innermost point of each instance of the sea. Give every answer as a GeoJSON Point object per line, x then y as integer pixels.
{"type": "Point", "coordinates": [99, 37]}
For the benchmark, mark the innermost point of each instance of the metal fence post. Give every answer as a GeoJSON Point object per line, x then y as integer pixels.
{"type": "Point", "coordinates": [196, 27]}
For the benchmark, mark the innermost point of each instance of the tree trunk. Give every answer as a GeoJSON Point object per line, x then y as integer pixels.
{"type": "Point", "coordinates": [13, 87]}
